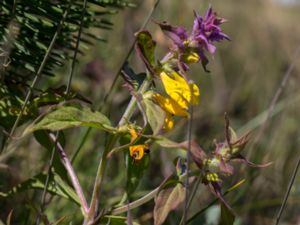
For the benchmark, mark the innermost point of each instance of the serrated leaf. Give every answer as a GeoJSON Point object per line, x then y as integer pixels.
{"type": "Point", "coordinates": [63, 117]}
{"type": "Point", "coordinates": [155, 115]}
{"type": "Point", "coordinates": [56, 186]}
{"type": "Point", "coordinates": [167, 200]}
{"type": "Point", "coordinates": [227, 217]}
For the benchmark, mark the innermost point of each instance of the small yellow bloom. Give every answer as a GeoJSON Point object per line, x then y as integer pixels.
{"type": "Point", "coordinates": [169, 123]}
{"type": "Point", "coordinates": [138, 151]}
{"type": "Point", "coordinates": [179, 90]}
{"type": "Point", "coordinates": [213, 177]}
{"type": "Point", "coordinates": [170, 106]}
{"type": "Point", "coordinates": [191, 57]}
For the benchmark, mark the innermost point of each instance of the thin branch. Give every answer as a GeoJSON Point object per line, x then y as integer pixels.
{"type": "Point", "coordinates": [42, 207]}
{"type": "Point", "coordinates": [192, 195]}
{"type": "Point", "coordinates": [283, 205]}
{"type": "Point", "coordinates": [189, 136]}
{"type": "Point", "coordinates": [76, 48]}
{"type": "Point", "coordinates": [136, 203]}
{"type": "Point", "coordinates": [67, 164]}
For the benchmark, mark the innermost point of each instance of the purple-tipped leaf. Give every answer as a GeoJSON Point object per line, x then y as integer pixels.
{"type": "Point", "coordinates": [242, 159]}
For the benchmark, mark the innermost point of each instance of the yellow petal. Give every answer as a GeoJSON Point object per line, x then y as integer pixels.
{"type": "Point", "coordinates": [170, 106]}
{"type": "Point", "coordinates": [179, 90]}
{"type": "Point", "coordinates": [137, 151]}
{"type": "Point", "coordinates": [133, 135]}
{"type": "Point", "coordinates": [191, 57]}
{"type": "Point", "coordinates": [169, 123]}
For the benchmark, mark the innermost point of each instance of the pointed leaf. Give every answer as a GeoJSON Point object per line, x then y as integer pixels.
{"type": "Point", "coordinates": [242, 159]}
{"type": "Point", "coordinates": [56, 186]}
{"type": "Point", "coordinates": [145, 47]}
{"type": "Point", "coordinates": [167, 200]}
{"type": "Point", "coordinates": [198, 154]}
{"type": "Point", "coordinates": [155, 115]}
{"type": "Point", "coordinates": [135, 171]}
{"type": "Point", "coordinates": [63, 117]}
{"type": "Point", "coordinates": [227, 217]}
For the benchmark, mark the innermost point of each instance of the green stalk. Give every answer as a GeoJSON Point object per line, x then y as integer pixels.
{"type": "Point", "coordinates": [103, 161]}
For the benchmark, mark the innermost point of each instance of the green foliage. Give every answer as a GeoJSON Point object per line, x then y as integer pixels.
{"type": "Point", "coordinates": [56, 186]}
{"type": "Point", "coordinates": [135, 171]}
{"type": "Point", "coordinates": [146, 48]}
{"type": "Point", "coordinates": [28, 26]}
{"type": "Point", "coordinates": [11, 104]}
{"type": "Point", "coordinates": [227, 217]}
{"type": "Point", "coordinates": [68, 116]}
{"type": "Point", "coordinates": [115, 220]}
{"type": "Point", "coordinates": [155, 115]}
{"type": "Point", "coordinates": [26, 30]}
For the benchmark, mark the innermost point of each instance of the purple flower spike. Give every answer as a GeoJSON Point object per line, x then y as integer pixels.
{"type": "Point", "coordinates": [206, 30]}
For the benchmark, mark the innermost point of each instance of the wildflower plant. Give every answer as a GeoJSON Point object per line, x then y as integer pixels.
{"type": "Point", "coordinates": [158, 109]}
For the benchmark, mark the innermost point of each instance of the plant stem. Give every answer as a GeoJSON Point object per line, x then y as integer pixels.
{"type": "Point", "coordinates": [288, 192]}
{"type": "Point", "coordinates": [144, 199]}
{"type": "Point", "coordinates": [37, 222]}
{"type": "Point", "coordinates": [103, 161]}
{"type": "Point", "coordinates": [67, 164]}
{"type": "Point", "coordinates": [136, 203]}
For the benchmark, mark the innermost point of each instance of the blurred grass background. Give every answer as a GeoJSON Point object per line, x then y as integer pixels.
{"type": "Point", "coordinates": [245, 75]}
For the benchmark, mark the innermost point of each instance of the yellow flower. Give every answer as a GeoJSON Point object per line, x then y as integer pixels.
{"type": "Point", "coordinates": [170, 106]}
{"type": "Point", "coordinates": [169, 123]}
{"type": "Point", "coordinates": [179, 90]}
{"type": "Point", "coordinates": [137, 151]}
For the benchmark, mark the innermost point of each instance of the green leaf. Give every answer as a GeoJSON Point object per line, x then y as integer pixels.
{"type": "Point", "coordinates": [155, 115]}
{"type": "Point", "coordinates": [135, 80]}
{"type": "Point", "coordinates": [135, 171]}
{"type": "Point", "coordinates": [56, 186]}
{"type": "Point", "coordinates": [167, 200]}
{"type": "Point", "coordinates": [146, 49]}
{"type": "Point", "coordinates": [63, 117]}
{"type": "Point", "coordinates": [227, 217]}
{"type": "Point", "coordinates": [134, 168]}
{"type": "Point", "coordinates": [115, 220]}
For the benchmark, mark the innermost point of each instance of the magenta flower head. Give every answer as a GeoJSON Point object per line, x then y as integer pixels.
{"type": "Point", "coordinates": [192, 47]}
